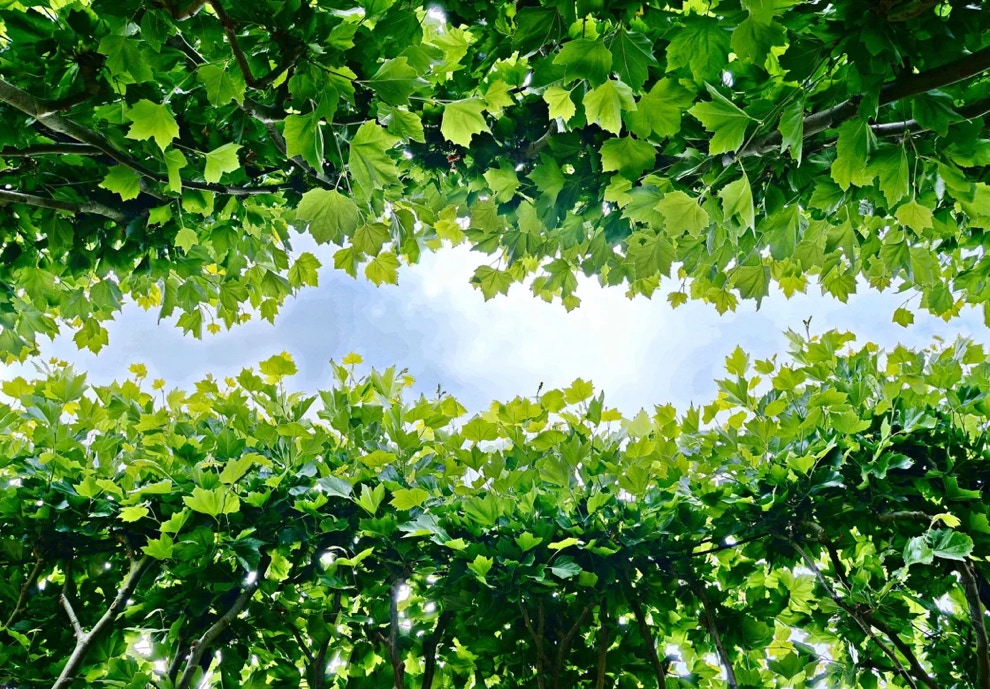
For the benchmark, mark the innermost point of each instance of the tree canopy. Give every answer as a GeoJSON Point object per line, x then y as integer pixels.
{"type": "Point", "coordinates": [159, 151]}
{"type": "Point", "coordinates": [821, 523]}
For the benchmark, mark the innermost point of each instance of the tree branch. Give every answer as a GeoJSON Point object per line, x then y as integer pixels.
{"type": "Point", "coordinates": [854, 614]}
{"type": "Point", "coordinates": [977, 617]}
{"type": "Point", "coordinates": [565, 643]}
{"type": "Point", "coordinates": [46, 202]}
{"type": "Point", "coordinates": [36, 108]}
{"type": "Point", "coordinates": [199, 647]}
{"type": "Point", "coordinates": [50, 149]}
{"type": "Point", "coordinates": [230, 31]}
{"type": "Point", "coordinates": [430, 649]}
{"type": "Point", "coordinates": [891, 92]}
{"type": "Point", "coordinates": [25, 587]}
{"type": "Point", "coordinates": [730, 675]}
{"type": "Point", "coordinates": [85, 640]}
{"type": "Point", "coordinates": [537, 636]}
{"type": "Point", "coordinates": [647, 637]}
{"type": "Point", "coordinates": [398, 667]}
{"type": "Point", "coordinates": [603, 644]}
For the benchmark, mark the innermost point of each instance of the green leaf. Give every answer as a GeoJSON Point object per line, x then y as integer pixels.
{"type": "Point", "coordinates": [752, 40]}
{"type": "Point", "coordinates": [304, 137]}
{"type": "Point", "coordinates": [174, 162]}
{"type": "Point", "coordinates": [527, 541]}
{"type": "Point", "coordinates": [462, 120]}
{"type": "Point", "coordinates": [753, 282]}
{"type": "Point", "coordinates": [791, 129]}
{"type": "Point", "coordinates": [604, 105]}
{"type": "Point", "coordinates": [566, 568]}
{"type": "Point", "coordinates": [152, 121]}
{"type": "Point", "coordinates": [278, 366]}
{"type": "Point", "coordinates": [159, 548]}
{"type": "Point", "coordinates": [681, 213]}
{"type": "Point", "coordinates": [402, 123]}
{"type": "Point", "coordinates": [724, 120]}
{"type": "Point", "coordinates": [212, 502]}
{"type": "Point", "coordinates": [852, 148]}
{"type": "Point", "coordinates": [235, 469]}
{"type": "Point", "coordinates": [223, 83]}
{"type": "Point", "coordinates": [370, 166]}
{"type": "Point", "coordinates": [492, 281]}
{"type": "Point", "coordinates": [628, 156]}
{"type": "Point", "coordinates": [304, 271]}
{"type": "Point", "coordinates": [912, 214]}
{"type": "Point", "coordinates": [559, 101]}
{"type": "Point", "coordinates": [503, 181]}
{"type": "Point", "coordinates": [951, 545]}
{"type": "Point", "coordinates": [737, 201]}
{"type": "Point", "coordinates": [481, 565]}
{"type": "Point", "coordinates": [133, 513]}
{"type": "Point", "coordinates": [220, 160]}
{"type": "Point", "coordinates": [650, 254]}
{"type": "Point", "coordinates": [408, 498]}
{"type": "Point", "coordinates": [891, 165]}
{"type": "Point", "coordinates": [659, 111]}
{"type": "Point", "coordinates": [632, 57]}
{"type": "Point", "coordinates": [383, 268]}
{"type": "Point", "coordinates": [565, 543]}
{"type": "Point", "coordinates": [702, 44]}
{"type": "Point", "coordinates": [370, 499]}
{"type": "Point", "coordinates": [329, 215]}
{"type": "Point", "coordinates": [903, 317]}
{"type": "Point", "coordinates": [124, 181]}
{"type": "Point", "coordinates": [585, 58]}
{"type": "Point", "coordinates": [395, 81]}
{"type": "Point", "coordinates": [186, 239]}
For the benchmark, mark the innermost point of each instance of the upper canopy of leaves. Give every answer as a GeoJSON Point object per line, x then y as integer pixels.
{"type": "Point", "coordinates": [161, 149]}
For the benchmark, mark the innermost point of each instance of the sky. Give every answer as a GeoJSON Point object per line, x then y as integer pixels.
{"type": "Point", "coordinates": [435, 324]}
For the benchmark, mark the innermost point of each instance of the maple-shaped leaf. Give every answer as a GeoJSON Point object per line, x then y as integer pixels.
{"type": "Point", "coordinates": [329, 215]}
{"type": "Point", "coordinates": [304, 137]}
{"type": "Point", "coordinates": [124, 181]}
{"type": "Point", "coordinates": [152, 121]}
{"type": "Point", "coordinates": [462, 120]}
{"type": "Point", "coordinates": [604, 105]}
{"type": "Point", "coordinates": [370, 166]}
{"type": "Point", "coordinates": [223, 84]}
{"type": "Point", "coordinates": [220, 160]}
{"type": "Point", "coordinates": [395, 81]}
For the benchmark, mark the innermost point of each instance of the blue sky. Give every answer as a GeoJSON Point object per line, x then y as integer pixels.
{"type": "Point", "coordinates": [640, 352]}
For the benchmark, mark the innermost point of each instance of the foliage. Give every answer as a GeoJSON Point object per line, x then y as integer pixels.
{"type": "Point", "coordinates": [821, 523]}
{"type": "Point", "coordinates": [158, 151]}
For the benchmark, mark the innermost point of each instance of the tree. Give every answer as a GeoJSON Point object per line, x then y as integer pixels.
{"type": "Point", "coordinates": [824, 527]}
{"type": "Point", "coordinates": [160, 151]}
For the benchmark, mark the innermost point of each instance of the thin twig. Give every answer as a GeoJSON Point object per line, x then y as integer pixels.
{"type": "Point", "coordinates": [854, 614]}
{"type": "Point", "coordinates": [723, 655]}
{"type": "Point", "coordinates": [395, 656]}
{"type": "Point", "coordinates": [430, 649]}
{"type": "Point", "coordinates": [603, 644]}
{"type": "Point", "coordinates": [565, 643]}
{"type": "Point", "coordinates": [25, 587]}
{"type": "Point", "coordinates": [50, 149]}
{"type": "Point", "coordinates": [537, 636]}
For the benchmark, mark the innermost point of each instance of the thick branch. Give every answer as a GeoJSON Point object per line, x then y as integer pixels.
{"type": "Point", "coordinates": [230, 31]}
{"type": "Point", "coordinates": [85, 640]}
{"type": "Point", "coordinates": [25, 587]}
{"type": "Point", "coordinates": [77, 629]}
{"type": "Point", "coordinates": [603, 644]}
{"type": "Point", "coordinates": [977, 617]}
{"type": "Point", "coordinates": [395, 656]}
{"type": "Point", "coordinates": [565, 643]}
{"type": "Point", "coordinates": [537, 637]}
{"type": "Point", "coordinates": [430, 649]}
{"type": "Point", "coordinates": [647, 637]}
{"type": "Point", "coordinates": [199, 647]}
{"type": "Point", "coordinates": [33, 107]}
{"type": "Point", "coordinates": [92, 207]}
{"type": "Point", "coordinates": [891, 92]}
{"type": "Point", "coordinates": [730, 675]}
